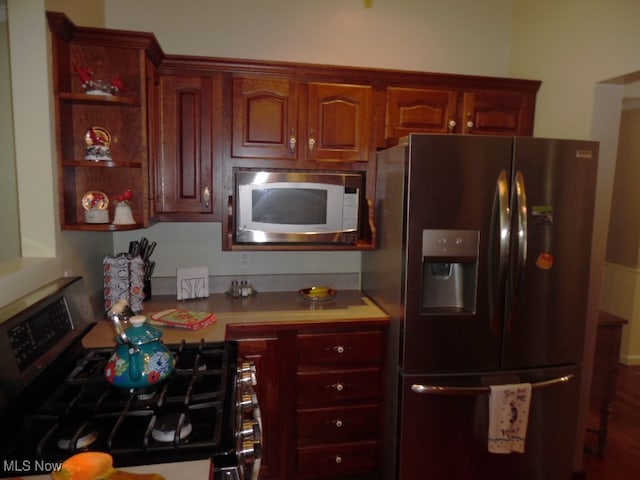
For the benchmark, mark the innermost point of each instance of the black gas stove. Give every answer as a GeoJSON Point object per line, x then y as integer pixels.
{"type": "Point", "coordinates": [56, 402]}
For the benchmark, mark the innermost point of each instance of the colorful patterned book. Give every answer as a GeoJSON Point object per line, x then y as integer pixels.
{"type": "Point", "coordinates": [188, 319]}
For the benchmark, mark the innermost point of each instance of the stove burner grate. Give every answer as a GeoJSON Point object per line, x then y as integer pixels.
{"type": "Point", "coordinates": [172, 427]}
{"type": "Point", "coordinates": [73, 439]}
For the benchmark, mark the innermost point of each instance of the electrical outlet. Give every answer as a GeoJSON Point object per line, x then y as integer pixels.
{"type": "Point", "coordinates": [244, 260]}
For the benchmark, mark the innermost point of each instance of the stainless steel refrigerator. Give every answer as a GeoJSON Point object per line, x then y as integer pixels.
{"type": "Point", "coordinates": [483, 265]}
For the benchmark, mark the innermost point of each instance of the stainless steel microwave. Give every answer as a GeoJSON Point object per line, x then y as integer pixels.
{"type": "Point", "coordinates": [297, 206]}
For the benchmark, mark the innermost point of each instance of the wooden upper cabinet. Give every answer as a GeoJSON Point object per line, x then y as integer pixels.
{"type": "Point", "coordinates": [490, 112]}
{"type": "Point", "coordinates": [189, 135]}
{"type": "Point", "coordinates": [498, 113]}
{"type": "Point", "coordinates": [339, 122]}
{"type": "Point", "coordinates": [289, 120]}
{"type": "Point", "coordinates": [92, 114]}
{"type": "Point", "coordinates": [265, 118]}
{"type": "Point", "coordinates": [411, 110]}
{"type": "Point", "coordinates": [183, 123]}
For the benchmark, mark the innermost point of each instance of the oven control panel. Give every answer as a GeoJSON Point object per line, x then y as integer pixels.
{"type": "Point", "coordinates": [35, 335]}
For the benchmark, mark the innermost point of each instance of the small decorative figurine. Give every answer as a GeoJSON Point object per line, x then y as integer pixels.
{"type": "Point", "coordinates": [97, 140]}
{"type": "Point", "coordinates": [124, 215]}
{"type": "Point", "coordinates": [98, 87]}
{"type": "Point", "coordinates": [96, 207]}
{"type": "Point", "coordinates": [117, 85]}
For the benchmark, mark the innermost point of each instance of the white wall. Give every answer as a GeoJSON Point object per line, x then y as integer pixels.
{"type": "Point", "coordinates": [465, 36]}
{"type": "Point", "coordinates": [10, 226]}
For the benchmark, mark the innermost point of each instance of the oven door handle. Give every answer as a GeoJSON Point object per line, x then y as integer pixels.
{"type": "Point", "coordinates": [473, 391]}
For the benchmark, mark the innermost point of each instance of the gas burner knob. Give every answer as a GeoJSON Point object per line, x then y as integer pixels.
{"type": "Point", "coordinates": [247, 367]}
{"type": "Point", "coordinates": [248, 401]}
{"type": "Point", "coordinates": [247, 374]}
{"type": "Point", "coordinates": [249, 456]}
{"type": "Point", "coordinates": [250, 449]}
{"type": "Point", "coordinates": [250, 430]}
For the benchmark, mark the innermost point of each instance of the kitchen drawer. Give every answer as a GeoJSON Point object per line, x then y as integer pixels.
{"type": "Point", "coordinates": [336, 425]}
{"type": "Point", "coordinates": [333, 461]}
{"type": "Point", "coordinates": [335, 387]}
{"type": "Point", "coordinates": [349, 348]}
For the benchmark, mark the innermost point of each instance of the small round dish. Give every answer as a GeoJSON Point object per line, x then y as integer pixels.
{"type": "Point", "coordinates": [317, 294]}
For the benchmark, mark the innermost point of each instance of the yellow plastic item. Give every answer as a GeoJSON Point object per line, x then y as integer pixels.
{"type": "Point", "coordinates": [96, 466]}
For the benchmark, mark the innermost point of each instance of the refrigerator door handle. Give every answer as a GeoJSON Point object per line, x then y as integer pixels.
{"type": "Point", "coordinates": [473, 391]}
{"type": "Point", "coordinates": [499, 240]}
{"type": "Point", "coordinates": [520, 213]}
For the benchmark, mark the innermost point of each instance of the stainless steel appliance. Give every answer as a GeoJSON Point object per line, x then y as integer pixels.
{"type": "Point", "coordinates": [55, 400]}
{"type": "Point", "coordinates": [483, 264]}
{"type": "Point", "coordinates": [297, 206]}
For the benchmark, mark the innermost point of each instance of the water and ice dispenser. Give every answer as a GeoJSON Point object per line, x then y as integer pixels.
{"type": "Point", "coordinates": [449, 271]}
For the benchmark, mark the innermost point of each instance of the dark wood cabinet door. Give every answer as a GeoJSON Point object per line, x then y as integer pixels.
{"type": "Point", "coordinates": [339, 122]}
{"type": "Point", "coordinates": [188, 144]}
{"type": "Point", "coordinates": [265, 118]}
{"type": "Point", "coordinates": [498, 113]}
{"type": "Point", "coordinates": [411, 110]}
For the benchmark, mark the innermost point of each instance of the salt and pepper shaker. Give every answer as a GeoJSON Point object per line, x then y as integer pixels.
{"type": "Point", "coordinates": [241, 289]}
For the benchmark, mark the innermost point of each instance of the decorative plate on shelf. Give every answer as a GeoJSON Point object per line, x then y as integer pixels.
{"type": "Point", "coordinates": [95, 200]}
{"type": "Point", "coordinates": [318, 293]}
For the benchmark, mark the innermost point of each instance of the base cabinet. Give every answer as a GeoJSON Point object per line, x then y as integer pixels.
{"type": "Point", "coordinates": [320, 389]}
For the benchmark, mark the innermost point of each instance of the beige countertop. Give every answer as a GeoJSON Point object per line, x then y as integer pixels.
{"type": "Point", "coordinates": [260, 309]}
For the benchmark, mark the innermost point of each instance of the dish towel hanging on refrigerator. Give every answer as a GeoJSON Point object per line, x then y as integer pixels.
{"type": "Point", "coordinates": [508, 417]}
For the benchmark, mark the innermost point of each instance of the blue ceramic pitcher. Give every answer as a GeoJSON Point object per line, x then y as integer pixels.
{"type": "Point", "coordinates": [140, 359]}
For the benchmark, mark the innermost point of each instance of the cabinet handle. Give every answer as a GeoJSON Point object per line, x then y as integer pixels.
{"type": "Point", "coordinates": [338, 459]}
{"type": "Point", "coordinates": [338, 349]}
{"type": "Point", "coordinates": [337, 422]}
{"type": "Point", "coordinates": [469, 122]}
{"type": "Point", "coordinates": [292, 141]}
{"type": "Point", "coordinates": [337, 386]}
{"type": "Point", "coordinates": [207, 196]}
{"type": "Point", "coordinates": [452, 125]}
{"type": "Point", "coordinates": [312, 140]}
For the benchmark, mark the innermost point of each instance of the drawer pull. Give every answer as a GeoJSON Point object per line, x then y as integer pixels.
{"type": "Point", "coordinates": [338, 459]}
{"type": "Point", "coordinates": [337, 422]}
{"type": "Point", "coordinates": [338, 349]}
{"type": "Point", "coordinates": [337, 386]}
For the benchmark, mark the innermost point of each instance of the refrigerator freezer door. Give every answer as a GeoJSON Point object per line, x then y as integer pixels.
{"type": "Point", "coordinates": [455, 183]}
{"type": "Point", "coordinates": [550, 270]}
{"type": "Point", "coordinates": [445, 434]}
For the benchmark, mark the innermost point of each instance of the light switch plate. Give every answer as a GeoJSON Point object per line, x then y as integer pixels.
{"type": "Point", "coordinates": [192, 283]}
